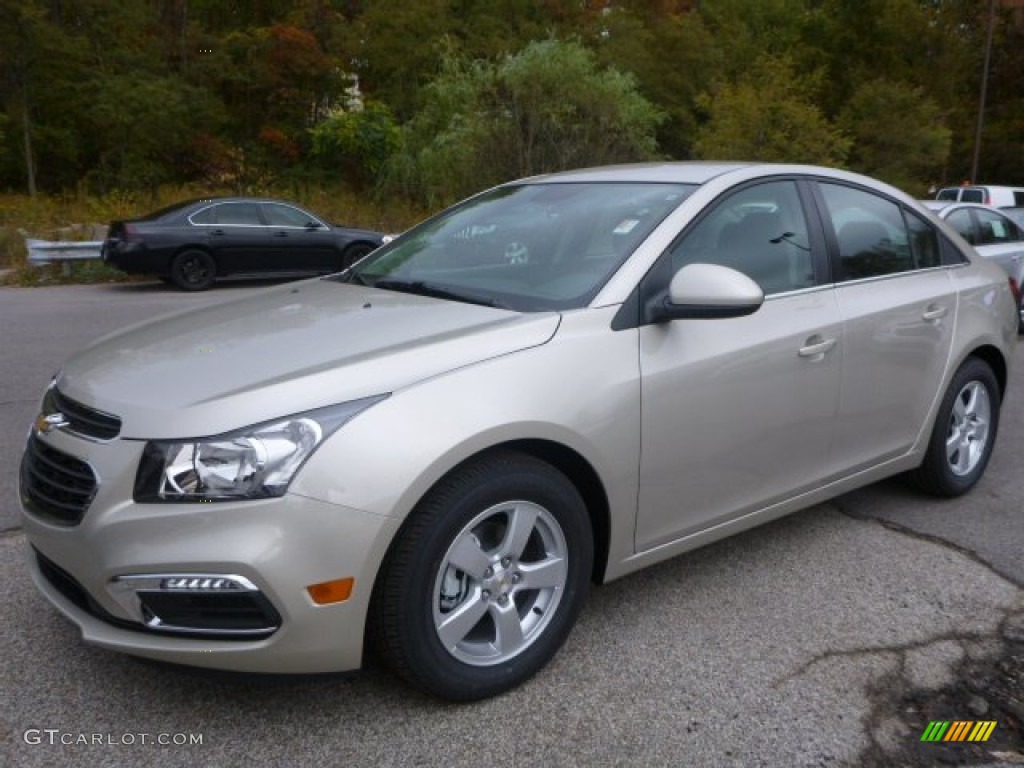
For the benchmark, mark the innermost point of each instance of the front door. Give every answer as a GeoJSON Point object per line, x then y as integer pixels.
{"type": "Point", "coordinates": [738, 413]}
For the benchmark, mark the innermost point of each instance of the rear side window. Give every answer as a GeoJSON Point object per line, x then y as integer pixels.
{"type": "Point", "coordinates": [286, 216]}
{"type": "Point", "coordinates": [237, 214]}
{"type": "Point", "coordinates": [993, 228]}
{"type": "Point", "coordinates": [1018, 199]}
{"type": "Point", "coordinates": [205, 216]}
{"type": "Point", "coordinates": [924, 242]}
{"type": "Point", "coordinates": [960, 220]}
{"type": "Point", "coordinates": [244, 214]}
{"type": "Point", "coordinates": [871, 232]}
{"type": "Point", "coordinates": [972, 196]}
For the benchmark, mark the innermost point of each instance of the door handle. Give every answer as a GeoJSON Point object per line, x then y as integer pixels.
{"type": "Point", "coordinates": [934, 312]}
{"type": "Point", "coordinates": [816, 346]}
{"type": "Point", "coordinates": [217, 232]}
{"type": "Point", "coordinates": [280, 233]}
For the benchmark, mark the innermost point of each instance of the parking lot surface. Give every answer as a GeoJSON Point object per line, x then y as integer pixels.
{"type": "Point", "coordinates": [790, 645]}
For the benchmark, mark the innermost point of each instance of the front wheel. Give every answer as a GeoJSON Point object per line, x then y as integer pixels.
{"type": "Point", "coordinates": [964, 432]}
{"type": "Point", "coordinates": [486, 578]}
{"type": "Point", "coordinates": [354, 253]}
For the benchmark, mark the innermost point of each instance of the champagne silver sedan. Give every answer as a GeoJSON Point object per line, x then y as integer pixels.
{"type": "Point", "coordinates": [555, 383]}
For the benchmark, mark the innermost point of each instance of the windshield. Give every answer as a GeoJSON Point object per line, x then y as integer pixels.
{"type": "Point", "coordinates": [528, 247]}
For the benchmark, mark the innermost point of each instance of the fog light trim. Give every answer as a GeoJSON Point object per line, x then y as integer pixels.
{"type": "Point", "coordinates": [130, 590]}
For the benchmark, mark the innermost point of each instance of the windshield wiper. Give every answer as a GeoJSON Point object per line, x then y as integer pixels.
{"type": "Point", "coordinates": [423, 288]}
{"type": "Point", "coordinates": [347, 276]}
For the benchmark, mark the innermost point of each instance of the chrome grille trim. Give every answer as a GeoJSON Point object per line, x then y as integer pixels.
{"type": "Point", "coordinates": [83, 420]}
{"type": "Point", "coordinates": [55, 486]}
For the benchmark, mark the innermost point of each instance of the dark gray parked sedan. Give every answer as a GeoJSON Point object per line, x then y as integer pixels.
{"type": "Point", "coordinates": [191, 244]}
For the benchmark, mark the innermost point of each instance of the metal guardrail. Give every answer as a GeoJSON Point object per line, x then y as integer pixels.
{"type": "Point", "coordinates": [42, 252]}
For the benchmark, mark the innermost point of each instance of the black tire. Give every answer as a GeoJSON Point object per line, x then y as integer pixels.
{"type": "Point", "coordinates": [964, 433]}
{"type": "Point", "coordinates": [354, 253]}
{"type": "Point", "coordinates": [420, 592]}
{"type": "Point", "coordinates": [193, 270]}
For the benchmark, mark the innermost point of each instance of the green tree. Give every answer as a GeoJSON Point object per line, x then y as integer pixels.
{"type": "Point", "coordinates": [673, 56]}
{"type": "Point", "coordinates": [769, 115]}
{"type": "Point", "coordinates": [898, 135]}
{"type": "Point", "coordinates": [547, 108]}
{"type": "Point", "coordinates": [35, 52]}
{"type": "Point", "coordinates": [356, 144]}
{"type": "Point", "coordinates": [148, 123]}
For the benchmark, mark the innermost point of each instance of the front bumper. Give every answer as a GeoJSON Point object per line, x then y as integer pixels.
{"type": "Point", "coordinates": [279, 547]}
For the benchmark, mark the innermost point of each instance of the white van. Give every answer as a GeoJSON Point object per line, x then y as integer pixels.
{"type": "Point", "coordinates": [1000, 197]}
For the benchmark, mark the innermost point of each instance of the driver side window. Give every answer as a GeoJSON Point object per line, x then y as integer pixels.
{"type": "Point", "coordinates": [760, 231]}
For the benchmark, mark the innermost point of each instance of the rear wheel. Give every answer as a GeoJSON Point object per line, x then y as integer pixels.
{"type": "Point", "coordinates": [193, 270]}
{"type": "Point", "coordinates": [485, 579]}
{"type": "Point", "coordinates": [964, 433]}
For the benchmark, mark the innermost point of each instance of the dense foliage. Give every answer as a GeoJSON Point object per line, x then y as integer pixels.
{"type": "Point", "coordinates": [435, 98]}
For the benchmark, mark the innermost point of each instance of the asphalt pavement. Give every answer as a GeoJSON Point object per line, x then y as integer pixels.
{"type": "Point", "coordinates": [785, 646]}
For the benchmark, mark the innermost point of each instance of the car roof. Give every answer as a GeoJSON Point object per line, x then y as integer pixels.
{"type": "Point", "coordinates": [679, 173]}
{"type": "Point", "coordinates": [945, 207]}
{"type": "Point", "coordinates": [700, 173]}
{"type": "Point", "coordinates": [188, 207]}
{"type": "Point", "coordinates": [229, 199]}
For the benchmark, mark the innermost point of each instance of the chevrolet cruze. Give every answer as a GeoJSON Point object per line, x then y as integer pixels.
{"type": "Point", "coordinates": [557, 382]}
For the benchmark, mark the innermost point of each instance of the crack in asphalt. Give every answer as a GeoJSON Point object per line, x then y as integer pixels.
{"type": "Point", "coordinates": [11, 531]}
{"type": "Point", "coordinates": [891, 690]}
{"type": "Point", "coordinates": [901, 649]}
{"type": "Point", "coordinates": [933, 539]}
{"type": "Point", "coordinates": [17, 402]}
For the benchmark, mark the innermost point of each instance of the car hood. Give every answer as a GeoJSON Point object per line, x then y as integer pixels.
{"type": "Point", "coordinates": [288, 350]}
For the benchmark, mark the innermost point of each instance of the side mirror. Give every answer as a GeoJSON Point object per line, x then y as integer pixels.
{"type": "Point", "coordinates": [706, 291]}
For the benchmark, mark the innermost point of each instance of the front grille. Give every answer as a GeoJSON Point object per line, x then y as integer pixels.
{"type": "Point", "coordinates": [84, 420]}
{"type": "Point", "coordinates": [55, 486]}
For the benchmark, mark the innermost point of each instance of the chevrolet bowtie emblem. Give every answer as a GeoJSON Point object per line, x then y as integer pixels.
{"type": "Point", "coordinates": [46, 423]}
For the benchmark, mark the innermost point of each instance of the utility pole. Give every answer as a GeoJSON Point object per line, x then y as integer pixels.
{"type": "Point", "coordinates": [984, 91]}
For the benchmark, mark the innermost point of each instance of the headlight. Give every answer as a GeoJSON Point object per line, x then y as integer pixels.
{"type": "Point", "coordinates": [253, 463]}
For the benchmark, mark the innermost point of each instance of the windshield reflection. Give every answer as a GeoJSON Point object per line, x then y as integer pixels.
{"type": "Point", "coordinates": [527, 247]}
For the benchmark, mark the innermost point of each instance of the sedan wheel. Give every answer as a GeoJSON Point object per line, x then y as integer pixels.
{"type": "Point", "coordinates": [486, 578]}
{"type": "Point", "coordinates": [964, 433]}
{"type": "Point", "coordinates": [500, 583]}
{"type": "Point", "coordinates": [354, 253]}
{"type": "Point", "coordinates": [193, 270]}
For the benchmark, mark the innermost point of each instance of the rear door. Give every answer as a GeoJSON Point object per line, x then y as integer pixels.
{"type": "Point", "coordinates": [235, 235]}
{"type": "Point", "coordinates": [899, 309]}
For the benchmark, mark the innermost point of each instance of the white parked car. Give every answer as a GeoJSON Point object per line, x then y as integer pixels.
{"type": "Point", "coordinates": [988, 194]}
{"type": "Point", "coordinates": [557, 382]}
{"type": "Point", "coordinates": [994, 234]}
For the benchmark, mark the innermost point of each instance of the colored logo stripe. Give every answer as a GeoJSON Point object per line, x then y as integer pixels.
{"type": "Point", "coordinates": [982, 731]}
{"type": "Point", "coordinates": [958, 730]}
